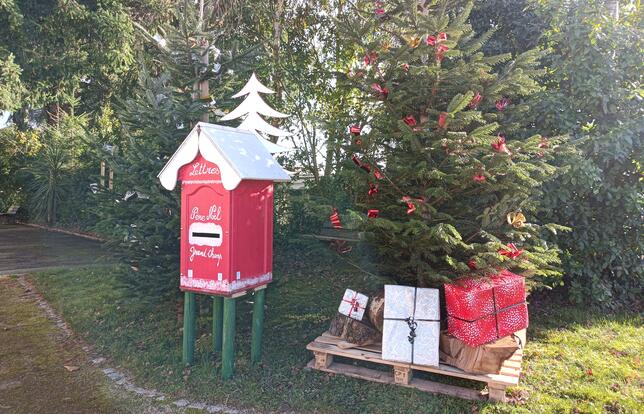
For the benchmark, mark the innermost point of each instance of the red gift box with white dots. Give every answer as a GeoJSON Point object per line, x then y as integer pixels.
{"type": "Point", "coordinates": [482, 310]}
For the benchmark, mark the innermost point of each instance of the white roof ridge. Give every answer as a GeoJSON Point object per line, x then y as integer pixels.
{"type": "Point", "coordinates": [245, 156]}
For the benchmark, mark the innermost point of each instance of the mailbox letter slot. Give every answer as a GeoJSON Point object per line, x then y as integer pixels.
{"type": "Point", "coordinates": [205, 234]}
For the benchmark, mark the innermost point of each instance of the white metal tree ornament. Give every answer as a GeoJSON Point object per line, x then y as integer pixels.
{"type": "Point", "coordinates": [253, 107]}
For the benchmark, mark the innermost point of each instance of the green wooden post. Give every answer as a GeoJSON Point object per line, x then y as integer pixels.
{"type": "Point", "coordinates": [258, 326]}
{"type": "Point", "coordinates": [189, 314]}
{"type": "Point", "coordinates": [217, 322]}
{"type": "Point", "coordinates": [228, 343]}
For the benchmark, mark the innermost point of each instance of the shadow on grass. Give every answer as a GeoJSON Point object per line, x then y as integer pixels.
{"type": "Point", "coordinates": [143, 335]}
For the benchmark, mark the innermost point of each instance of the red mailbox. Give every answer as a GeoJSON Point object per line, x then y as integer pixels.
{"type": "Point", "coordinates": [226, 177]}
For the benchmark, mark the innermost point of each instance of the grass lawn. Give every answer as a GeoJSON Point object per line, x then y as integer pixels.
{"type": "Point", "coordinates": [575, 360]}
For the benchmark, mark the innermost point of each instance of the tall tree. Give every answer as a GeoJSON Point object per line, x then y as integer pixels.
{"type": "Point", "coordinates": [594, 94]}
{"type": "Point", "coordinates": [140, 218]}
{"type": "Point", "coordinates": [448, 187]}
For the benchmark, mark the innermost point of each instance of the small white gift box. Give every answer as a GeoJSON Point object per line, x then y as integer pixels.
{"type": "Point", "coordinates": [411, 330]}
{"type": "Point", "coordinates": [353, 304]}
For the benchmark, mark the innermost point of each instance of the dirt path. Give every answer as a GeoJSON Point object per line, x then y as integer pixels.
{"type": "Point", "coordinates": [43, 370]}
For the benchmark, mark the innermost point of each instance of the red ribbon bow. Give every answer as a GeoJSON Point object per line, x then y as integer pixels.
{"type": "Point", "coordinates": [410, 120]}
{"type": "Point", "coordinates": [383, 91]}
{"type": "Point", "coordinates": [512, 252]}
{"type": "Point", "coordinates": [355, 305]}
{"type": "Point", "coordinates": [433, 40]}
{"type": "Point", "coordinates": [442, 117]}
{"type": "Point", "coordinates": [501, 104]}
{"type": "Point", "coordinates": [499, 145]}
{"type": "Point", "coordinates": [478, 177]}
{"type": "Point", "coordinates": [411, 207]}
{"type": "Point", "coordinates": [370, 58]}
{"type": "Point", "coordinates": [476, 100]}
{"type": "Point", "coordinates": [335, 219]}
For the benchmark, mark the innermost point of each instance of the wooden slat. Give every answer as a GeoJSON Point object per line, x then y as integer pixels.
{"type": "Point", "coordinates": [371, 356]}
{"type": "Point", "coordinates": [327, 338]}
{"type": "Point", "coordinates": [511, 368]}
{"type": "Point", "coordinates": [387, 378]}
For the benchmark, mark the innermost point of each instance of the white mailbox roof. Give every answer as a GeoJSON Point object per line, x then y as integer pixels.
{"type": "Point", "coordinates": [239, 154]}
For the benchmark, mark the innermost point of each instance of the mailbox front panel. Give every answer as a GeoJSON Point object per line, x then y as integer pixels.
{"type": "Point", "coordinates": [205, 229]}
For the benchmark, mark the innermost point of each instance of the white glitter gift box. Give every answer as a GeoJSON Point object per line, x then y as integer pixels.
{"type": "Point", "coordinates": [353, 304]}
{"type": "Point", "coordinates": [411, 330]}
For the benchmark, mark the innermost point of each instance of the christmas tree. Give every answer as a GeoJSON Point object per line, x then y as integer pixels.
{"type": "Point", "coordinates": [252, 106]}
{"type": "Point", "coordinates": [447, 183]}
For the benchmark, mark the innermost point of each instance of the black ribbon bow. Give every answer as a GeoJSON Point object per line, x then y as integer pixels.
{"type": "Point", "coordinates": [412, 329]}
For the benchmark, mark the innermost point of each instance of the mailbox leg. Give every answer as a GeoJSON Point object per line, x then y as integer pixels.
{"type": "Point", "coordinates": [189, 310]}
{"type": "Point", "coordinates": [228, 343]}
{"type": "Point", "coordinates": [217, 322]}
{"type": "Point", "coordinates": [258, 326]}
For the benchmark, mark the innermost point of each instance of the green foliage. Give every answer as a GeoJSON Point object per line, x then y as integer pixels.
{"type": "Point", "coordinates": [15, 148]}
{"type": "Point", "coordinates": [594, 94]}
{"type": "Point", "coordinates": [11, 88]}
{"type": "Point", "coordinates": [49, 174]}
{"type": "Point", "coordinates": [517, 24]}
{"type": "Point", "coordinates": [139, 217]}
{"type": "Point", "coordinates": [457, 219]}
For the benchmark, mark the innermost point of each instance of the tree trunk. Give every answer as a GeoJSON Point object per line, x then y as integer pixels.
{"type": "Point", "coordinates": [612, 8]}
{"type": "Point", "coordinates": [277, 44]}
{"type": "Point", "coordinates": [201, 87]}
{"type": "Point", "coordinates": [331, 142]}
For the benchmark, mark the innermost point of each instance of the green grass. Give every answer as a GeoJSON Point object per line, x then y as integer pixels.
{"type": "Point", "coordinates": [143, 336]}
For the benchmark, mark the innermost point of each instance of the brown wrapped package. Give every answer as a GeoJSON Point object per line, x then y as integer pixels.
{"type": "Point", "coordinates": [484, 359]}
{"type": "Point", "coordinates": [376, 310]}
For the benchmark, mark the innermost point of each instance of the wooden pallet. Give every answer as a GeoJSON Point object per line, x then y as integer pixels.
{"type": "Point", "coordinates": [325, 347]}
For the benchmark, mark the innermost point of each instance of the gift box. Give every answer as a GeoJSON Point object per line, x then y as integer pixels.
{"type": "Point", "coordinates": [411, 327]}
{"type": "Point", "coordinates": [353, 304]}
{"type": "Point", "coordinates": [376, 310]}
{"type": "Point", "coordinates": [484, 359]}
{"type": "Point", "coordinates": [482, 310]}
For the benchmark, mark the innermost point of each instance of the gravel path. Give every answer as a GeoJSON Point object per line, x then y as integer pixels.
{"type": "Point", "coordinates": [43, 369]}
